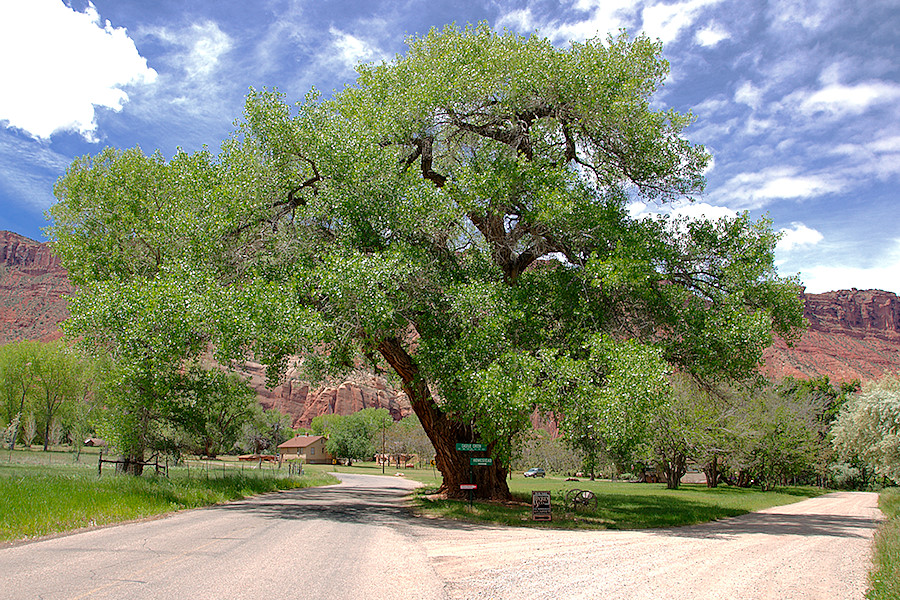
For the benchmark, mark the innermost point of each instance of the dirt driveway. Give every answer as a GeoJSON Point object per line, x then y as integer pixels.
{"type": "Point", "coordinates": [819, 548]}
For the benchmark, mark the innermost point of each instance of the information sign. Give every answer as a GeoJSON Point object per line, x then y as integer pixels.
{"type": "Point", "coordinates": [481, 461]}
{"type": "Point", "coordinates": [460, 447]}
{"type": "Point", "coordinates": [540, 506]}
{"type": "Point", "coordinates": [468, 486]}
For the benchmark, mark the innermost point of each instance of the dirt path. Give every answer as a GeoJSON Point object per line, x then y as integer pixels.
{"type": "Point", "coordinates": [815, 549]}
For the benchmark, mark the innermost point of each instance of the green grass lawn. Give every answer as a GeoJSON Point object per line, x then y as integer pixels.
{"type": "Point", "coordinates": [620, 505]}
{"type": "Point", "coordinates": [885, 577]}
{"type": "Point", "coordinates": [40, 497]}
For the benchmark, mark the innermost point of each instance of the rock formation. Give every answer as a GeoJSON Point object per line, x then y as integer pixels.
{"type": "Point", "coordinates": [303, 402]}
{"type": "Point", "coordinates": [33, 286]}
{"type": "Point", "coordinates": [852, 334]}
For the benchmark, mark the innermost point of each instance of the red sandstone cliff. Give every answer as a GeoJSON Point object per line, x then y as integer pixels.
{"type": "Point", "coordinates": [297, 398]}
{"type": "Point", "coordinates": [33, 286]}
{"type": "Point", "coordinates": [852, 334]}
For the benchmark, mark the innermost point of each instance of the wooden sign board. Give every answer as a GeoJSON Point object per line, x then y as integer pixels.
{"type": "Point", "coordinates": [540, 506]}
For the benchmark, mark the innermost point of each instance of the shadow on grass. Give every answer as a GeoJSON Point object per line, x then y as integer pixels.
{"type": "Point", "coordinates": [369, 503]}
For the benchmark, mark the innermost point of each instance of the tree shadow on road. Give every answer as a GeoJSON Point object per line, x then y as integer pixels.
{"type": "Point", "coordinates": [778, 524]}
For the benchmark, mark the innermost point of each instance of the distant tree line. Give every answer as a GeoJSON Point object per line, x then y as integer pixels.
{"type": "Point", "coordinates": [53, 393]}
{"type": "Point", "coordinates": [759, 433]}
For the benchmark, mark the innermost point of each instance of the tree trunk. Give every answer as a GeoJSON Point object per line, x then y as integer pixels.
{"type": "Point", "coordinates": [445, 433]}
{"type": "Point", "coordinates": [675, 469]}
{"type": "Point", "coordinates": [712, 471]}
{"type": "Point", "coordinates": [134, 465]}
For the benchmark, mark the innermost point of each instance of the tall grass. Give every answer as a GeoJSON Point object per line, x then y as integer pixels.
{"type": "Point", "coordinates": [40, 503]}
{"type": "Point", "coordinates": [885, 577]}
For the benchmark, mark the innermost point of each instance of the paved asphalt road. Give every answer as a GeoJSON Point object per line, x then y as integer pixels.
{"type": "Point", "coordinates": [337, 542]}
{"type": "Point", "coordinates": [357, 541]}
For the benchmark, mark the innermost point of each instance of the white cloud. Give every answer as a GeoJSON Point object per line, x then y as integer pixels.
{"type": "Point", "coordinates": [696, 211]}
{"type": "Point", "coordinates": [521, 20]}
{"type": "Point", "coordinates": [798, 235]}
{"type": "Point", "coordinates": [755, 190]}
{"type": "Point", "coordinates": [351, 50]}
{"type": "Point", "coordinates": [667, 21]}
{"type": "Point", "coordinates": [809, 14]}
{"type": "Point", "coordinates": [884, 274]}
{"type": "Point", "coordinates": [208, 45]}
{"type": "Point", "coordinates": [693, 211]}
{"type": "Point", "coordinates": [202, 47]}
{"type": "Point", "coordinates": [30, 168]}
{"type": "Point", "coordinates": [604, 16]}
{"type": "Point", "coordinates": [711, 35]}
{"type": "Point", "coordinates": [749, 94]}
{"type": "Point", "coordinates": [57, 65]}
{"type": "Point", "coordinates": [888, 144]}
{"type": "Point", "coordinates": [839, 99]}
{"type": "Point", "coordinates": [879, 157]}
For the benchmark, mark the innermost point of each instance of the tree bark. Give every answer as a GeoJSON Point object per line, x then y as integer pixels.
{"type": "Point", "coordinates": [675, 469]}
{"type": "Point", "coordinates": [711, 469]}
{"type": "Point", "coordinates": [445, 433]}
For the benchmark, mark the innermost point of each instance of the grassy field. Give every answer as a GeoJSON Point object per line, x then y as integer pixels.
{"type": "Point", "coordinates": [42, 494]}
{"type": "Point", "coordinates": [620, 505]}
{"type": "Point", "coordinates": [885, 577]}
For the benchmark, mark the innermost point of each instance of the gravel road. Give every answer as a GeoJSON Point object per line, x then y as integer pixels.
{"type": "Point", "coordinates": [814, 549]}
{"type": "Point", "coordinates": [358, 541]}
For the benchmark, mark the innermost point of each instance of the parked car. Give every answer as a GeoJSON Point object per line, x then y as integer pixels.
{"type": "Point", "coordinates": [534, 472]}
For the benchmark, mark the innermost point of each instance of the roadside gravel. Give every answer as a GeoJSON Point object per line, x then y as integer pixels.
{"type": "Point", "coordinates": [815, 549]}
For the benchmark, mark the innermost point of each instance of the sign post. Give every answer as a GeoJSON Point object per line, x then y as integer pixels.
{"type": "Point", "coordinates": [478, 461]}
{"type": "Point", "coordinates": [540, 506]}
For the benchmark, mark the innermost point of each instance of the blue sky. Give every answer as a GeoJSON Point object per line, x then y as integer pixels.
{"type": "Point", "coordinates": [798, 101]}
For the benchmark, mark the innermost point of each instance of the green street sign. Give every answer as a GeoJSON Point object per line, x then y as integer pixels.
{"type": "Point", "coordinates": [470, 447]}
{"type": "Point", "coordinates": [481, 462]}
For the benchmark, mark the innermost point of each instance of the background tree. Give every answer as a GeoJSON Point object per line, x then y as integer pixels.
{"type": "Point", "coordinates": [553, 454]}
{"type": "Point", "coordinates": [356, 436]}
{"type": "Point", "coordinates": [464, 228]}
{"type": "Point", "coordinates": [59, 374]}
{"type": "Point", "coordinates": [773, 436]}
{"type": "Point", "coordinates": [17, 361]}
{"type": "Point", "coordinates": [686, 428]}
{"type": "Point", "coordinates": [868, 427]}
{"type": "Point", "coordinates": [406, 438]}
{"type": "Point", "coordinates": [265, 430]}
{"type": "Point", "coordinates": [29, 429]}
{"type": "Point", "coordinates": [213, 407]}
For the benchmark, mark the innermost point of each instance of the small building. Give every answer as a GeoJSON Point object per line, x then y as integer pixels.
{"type": "Point", "coordinates": [95, 442]}
{"type": "Point", "coordinates": [308, 448]}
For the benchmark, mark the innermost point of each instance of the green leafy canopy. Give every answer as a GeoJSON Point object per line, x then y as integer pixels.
{"type": "Point", "coordinates": [459, 217]}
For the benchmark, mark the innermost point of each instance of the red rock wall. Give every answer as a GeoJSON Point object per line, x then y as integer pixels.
{"type": "Point", "coordinates": [33, 286]}
{"type": "Point", "coordinates": [852, 334]}
{"type": "Point", "coordinates": [303, 402]}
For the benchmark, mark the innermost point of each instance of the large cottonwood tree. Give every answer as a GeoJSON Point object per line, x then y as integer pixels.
{"type": "Point", "coordinates": [460, 218]}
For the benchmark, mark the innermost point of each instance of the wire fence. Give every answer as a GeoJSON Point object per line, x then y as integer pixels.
{"type": "Point", "coordinates": [65, 460]}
